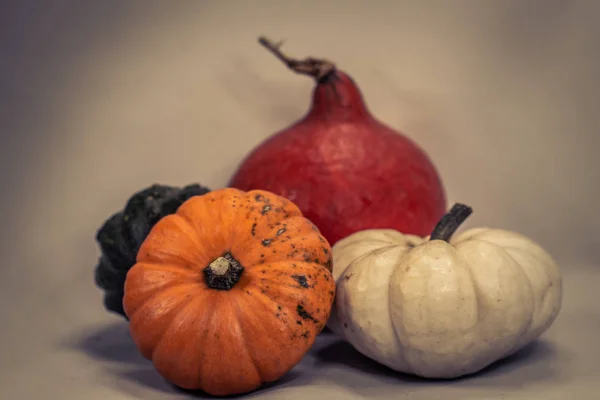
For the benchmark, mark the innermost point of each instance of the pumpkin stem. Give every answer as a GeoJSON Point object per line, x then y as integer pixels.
{"type": "Point", "coordinates": [223, 273]}
{"type": "Point", "coordinates": [314, 67]}
{"type": "Point", "coordinates": [450, 222]}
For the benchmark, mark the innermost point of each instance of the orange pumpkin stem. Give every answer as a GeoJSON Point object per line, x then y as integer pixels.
{"type": "Point", "coordinates": [223, 273]}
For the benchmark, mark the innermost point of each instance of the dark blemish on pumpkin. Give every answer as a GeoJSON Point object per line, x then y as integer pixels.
{"type": "Point", "coordinates": [258, 197]}
{"type": "Point", "coordinates": [265, 209]}
{"type": "Point", "coordinates": [293, 245]}
{"type": "Point", "coordinates": [253, 231]}
{"type": "Point", "coordinates": [301, 279]}
{"type": "Point", "coordinates": [262, 256]}
{"type": "Point", "coordinates": [248, 293]}
{"type": "Point", "coordinates": [298, 322]}
{"type": "Point", "coordinates": [304, 314]}
{"type": "Point", "coordinates": [266, 242]}
{"type": "Point", "coordinates": [321, 239]}
{"type": "Point", "coordinates": [325, 250]}
{"type": "Point", "coordinates": [280, 232]}
{"type": "Point", "coordinates": [331, 293]}
{"type": "Point", "coordinates": [307, 256]}
{"type": "Point", "coordinates": [264, 271]}
{"type": "Point", "coordinates": [279, 307]}
{"type": "Point", "coordinates": [305, 334]}
{"type": "Point", "coordinates": [277, 315]}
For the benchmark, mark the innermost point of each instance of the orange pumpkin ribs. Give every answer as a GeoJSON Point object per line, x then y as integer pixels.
{"type": "Point", "coordinates": [230, 291]}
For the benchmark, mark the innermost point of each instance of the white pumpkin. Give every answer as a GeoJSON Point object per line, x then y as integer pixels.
{"type": "Point", "coordinates": [442, 307]}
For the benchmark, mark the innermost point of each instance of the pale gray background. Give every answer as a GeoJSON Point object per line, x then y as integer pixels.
{"type": "Point", "coordinates": [99, 99]}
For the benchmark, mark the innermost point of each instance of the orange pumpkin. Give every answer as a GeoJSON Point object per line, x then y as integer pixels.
{"type": "Point", "coordinates": [230, 291]}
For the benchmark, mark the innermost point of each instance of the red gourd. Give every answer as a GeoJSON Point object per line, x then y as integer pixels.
{"type": "Point", "coordinates": [346, 170]}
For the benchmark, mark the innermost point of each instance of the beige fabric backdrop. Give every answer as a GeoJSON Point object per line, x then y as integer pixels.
{"type": "Point", "coordinates": [99, 99]}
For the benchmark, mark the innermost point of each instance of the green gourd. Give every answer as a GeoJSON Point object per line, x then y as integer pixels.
{"type": "Point", "coordinates": [122, 234]}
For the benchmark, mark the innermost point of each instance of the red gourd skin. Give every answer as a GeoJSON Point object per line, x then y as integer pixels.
{"type": "Point", "coordinates": [346, 170]}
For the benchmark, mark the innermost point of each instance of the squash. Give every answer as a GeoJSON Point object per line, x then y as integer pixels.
{"type": "Point", "coordinates": [122, 234]}
{"type": "Point", "coordinates": [443, 306]}
{"type": "Point", "coordinates": [230, 291]}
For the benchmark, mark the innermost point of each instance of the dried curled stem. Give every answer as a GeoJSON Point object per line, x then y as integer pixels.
{"type": "Point", "coordinates": [314, 67]}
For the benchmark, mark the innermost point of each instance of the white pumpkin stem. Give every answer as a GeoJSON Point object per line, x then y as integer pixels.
{"type": "Point", "coordinates": [450, 222]}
